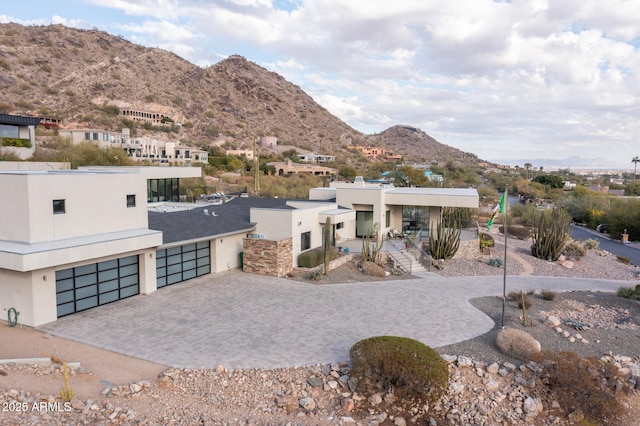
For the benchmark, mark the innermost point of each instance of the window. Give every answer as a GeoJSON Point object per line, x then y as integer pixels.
{"type": "Point", "coordinates": [340, 225]}
{"type": "Point", "coordinates": [95, 136]}
{"type": "Point", "coordinates": [58, 207]}
{"type": "Point", "coordinates": [387, 219]}
{"type": "Point", "coordinates": [105, 137]}
{"type": "Point", "coordinates": [305, 241]}
{"type": "Point", "coordinates": [131, 200]}
{"type": "Point", "coordinates": [87, 136]}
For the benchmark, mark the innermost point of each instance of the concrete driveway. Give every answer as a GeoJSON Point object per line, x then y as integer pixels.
{"type": "Point", "coordinates": [242, 320]}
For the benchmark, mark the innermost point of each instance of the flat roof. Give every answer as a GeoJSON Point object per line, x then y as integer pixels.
{"type": "Point", "coordinates": [460, 192]}
{"type": "Point", "coordinates": [19, 120]}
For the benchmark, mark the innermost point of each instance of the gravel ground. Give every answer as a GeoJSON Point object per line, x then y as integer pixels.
{"type": "Point", "coordinates": [321, 395]}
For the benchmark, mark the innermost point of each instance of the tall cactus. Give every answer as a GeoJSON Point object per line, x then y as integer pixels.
{"type": "Point", "coordinates": [550, 234]}
{"type": "Point", "coordinates": [327, 243]}
{"type": "Point", "coordinates": [446, 241]}
{"type": "Point", "coordinates": [371, 251]}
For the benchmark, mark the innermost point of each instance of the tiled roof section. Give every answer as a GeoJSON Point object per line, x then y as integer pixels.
{"type": "Point", "coordinates": [233, 216]}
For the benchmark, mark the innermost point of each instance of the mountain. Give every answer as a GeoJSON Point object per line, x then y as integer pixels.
{"type": "Point", "coordinates": [415, 144]}
{"type": "Point", "coordinates": [86, 78]}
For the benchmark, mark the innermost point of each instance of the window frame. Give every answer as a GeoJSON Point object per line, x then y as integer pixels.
{"type": "Point", "coordinates": [131, 200]}
{"type": "Point", "coordinates": [59, 206]}
{"type": "Point", "coordinates": [305, 241]}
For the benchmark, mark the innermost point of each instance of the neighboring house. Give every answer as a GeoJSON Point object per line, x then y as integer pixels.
{"type": "Point", "coordinates": [291, 168]}
{"type": "Point", "coordinates": [377, 152]}
{"type": "Point", "coordinates": [146, 116]}
{"type": "Point", "coordinates": [102, 138]}
{"type": "Point", "coordinates": [18, 135]}
{"type": "Point", "coordinates": [247, 153]}
{"type": "Point", "coordinates": [139, 149]}
{"type": "Point", "coordinates": [316, 158]}
{"type": "Point", "coordinates": [270, 142]}
{"type": "Point", "coordinates": [72, 240]}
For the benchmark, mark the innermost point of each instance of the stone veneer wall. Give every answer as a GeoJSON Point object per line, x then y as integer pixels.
{"type": "Point", "coordinates": [268, 257]}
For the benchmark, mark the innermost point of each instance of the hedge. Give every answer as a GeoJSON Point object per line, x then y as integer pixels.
{"type": "Point", "coordinates": [17, 142]}
{"type": "Point", "coordinates": [314, 257]}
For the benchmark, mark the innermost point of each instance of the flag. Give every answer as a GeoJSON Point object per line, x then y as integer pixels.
{"type": "Point", "coordinates": [498, 209]}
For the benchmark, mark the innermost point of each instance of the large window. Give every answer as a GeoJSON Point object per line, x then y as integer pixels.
{"type": "Point", "coordinates": [305, 241]}
{"type": "Point", "coordinates": [415, 218]}
{"type": "Point", "coordinates": [8, 131]}
{"type": "Point", "coordinates": [387, 219]}
{"type": "Point", "coordinates": [163, 190]}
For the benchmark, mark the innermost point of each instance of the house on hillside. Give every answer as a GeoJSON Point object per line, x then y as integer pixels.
{"type": "Point", "coordinates": [18, 135]}
{"type": "Point", "coordinates": [316, 158]}
{"type": "Point", "coordinates": [291, 168]}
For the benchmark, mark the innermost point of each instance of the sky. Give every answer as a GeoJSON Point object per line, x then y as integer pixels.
{"type": "Point", "coordinates": [505, 80]}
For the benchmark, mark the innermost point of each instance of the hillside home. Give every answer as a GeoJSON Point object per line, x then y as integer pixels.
{"type": "Point", "coordinates": [146, 116]}
{"type": "Point", "coordinates": [316, 158]}
{"type": "Point", "coordinates": [18, 135]}
{"type": "Point", "coordinates": [246, 153]}
{"type": "Point", "coordinates": [72, 240]}
{"type": "Point", "coordinates": [291, 168]}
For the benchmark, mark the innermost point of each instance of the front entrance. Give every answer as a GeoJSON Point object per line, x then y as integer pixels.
{"type": "Point", "coordinates": [364, 224]}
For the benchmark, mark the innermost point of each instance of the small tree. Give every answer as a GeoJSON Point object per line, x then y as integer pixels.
{"type": "Point", "coordinates": [550, 234]}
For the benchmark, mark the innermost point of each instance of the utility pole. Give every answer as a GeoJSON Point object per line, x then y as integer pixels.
{"type": "Point", "coordinates": [256, 169]}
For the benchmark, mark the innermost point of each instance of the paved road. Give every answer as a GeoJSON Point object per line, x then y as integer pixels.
{"type": "Point", "coordinates": [243, 320]}
{"type": "Point", "coordinates": [613, 246]}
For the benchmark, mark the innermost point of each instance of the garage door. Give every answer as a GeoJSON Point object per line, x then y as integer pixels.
{"type": "Point", "coordinates": [177, 264]}
{"type": "Point", "coordinates": [88, 286]}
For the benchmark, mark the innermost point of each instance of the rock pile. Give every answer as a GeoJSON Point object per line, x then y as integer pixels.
{"type": "Point", "coordinates": [478, 393]}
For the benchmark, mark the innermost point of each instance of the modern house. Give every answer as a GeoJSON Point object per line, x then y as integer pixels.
{"type": "Point", "coordinates": [18, 135]}
{"type": "Point", "coordinates": [72, 240]}
{"type": "Point", "coordinates": [139, 149]}
{"type": "Point", "coordinates": [291, 168]}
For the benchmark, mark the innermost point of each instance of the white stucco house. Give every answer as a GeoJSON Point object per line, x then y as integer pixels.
{"type": "Point", "coordinates": [72, 240]}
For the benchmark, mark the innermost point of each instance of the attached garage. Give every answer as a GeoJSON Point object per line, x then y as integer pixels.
{"type": "Point", "coordinates": [85, 287]}
{"type": "Point", "coordinates": [181, 263]}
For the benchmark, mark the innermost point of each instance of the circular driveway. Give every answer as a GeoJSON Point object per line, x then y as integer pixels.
{"type": "Point", "coordinates": [241, 320]}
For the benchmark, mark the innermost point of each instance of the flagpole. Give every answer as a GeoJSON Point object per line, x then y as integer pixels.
{"type": "Point", "coordinates": [504, 270]}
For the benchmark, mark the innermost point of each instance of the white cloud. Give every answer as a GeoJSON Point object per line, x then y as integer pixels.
{"type": "Point", "coordinates": [521, 77]}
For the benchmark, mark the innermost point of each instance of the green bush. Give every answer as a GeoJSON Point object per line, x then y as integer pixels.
{"type": "Point", "coordinates": [315, 257]}
{"type": "Point", "coordinates": [629, 292]}
{"type": "Point", "coordinates": [623, 259]}
{"type": "Point", "coordinates": [486, 240]}
{"type": "Point", "coordinates": [575, 249]}
{"type": "Point", "coordinates": [17, 142]}
{"type": "Point", "coordinates": [519, 232]}
{"type": "Point", "coordinates": [591, 244]}
{"type": "Point", "coordinates": [496, 262]}
{"type": "Point", "coordinates": [315, 275]}
{"type": "Point", "coordinates": [412, 369]}
{"type": "Point", "coordinates": [583, 385]}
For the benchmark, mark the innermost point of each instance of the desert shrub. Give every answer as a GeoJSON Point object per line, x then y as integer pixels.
{"type": "Point", "coordinates": [629, 292]}
{"type": "Point", "coordinates": [582, 385]}
{"type": "Point", "coordinates": [372, 269]}
{"type": "Point", "coordinates": [314, 257]}
{"type": "Point", "coordinates": [518, 232]}
{"type": "Point", "coordinates": [623, 259]}
{"type": "Point", "coordinates": [486, 240]}
{"type": "Point", "coordinates": [497, 262]}
{"type": "Point", "coordinates": [315, 275]}
{"type": "Point", "coordinates": [575, 249]}
{"type": "Point", "coordinates": [513, 295]}
{"type": "Point", "coordinates": [548, 294]}
{"type": "Point", "coordinates": [525, 301]}
{"type": "Point", "coordinates": [412, 369]}
{"type": "Point", "coordinates": [591, 244]}
{"type": "Point", "coordinates": [517, 343]}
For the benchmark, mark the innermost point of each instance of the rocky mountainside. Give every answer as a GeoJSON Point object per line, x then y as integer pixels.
{"type": "Point", "coordinates": [86, 77]}
{"type": "Point", "coordinates": [415, 144]}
